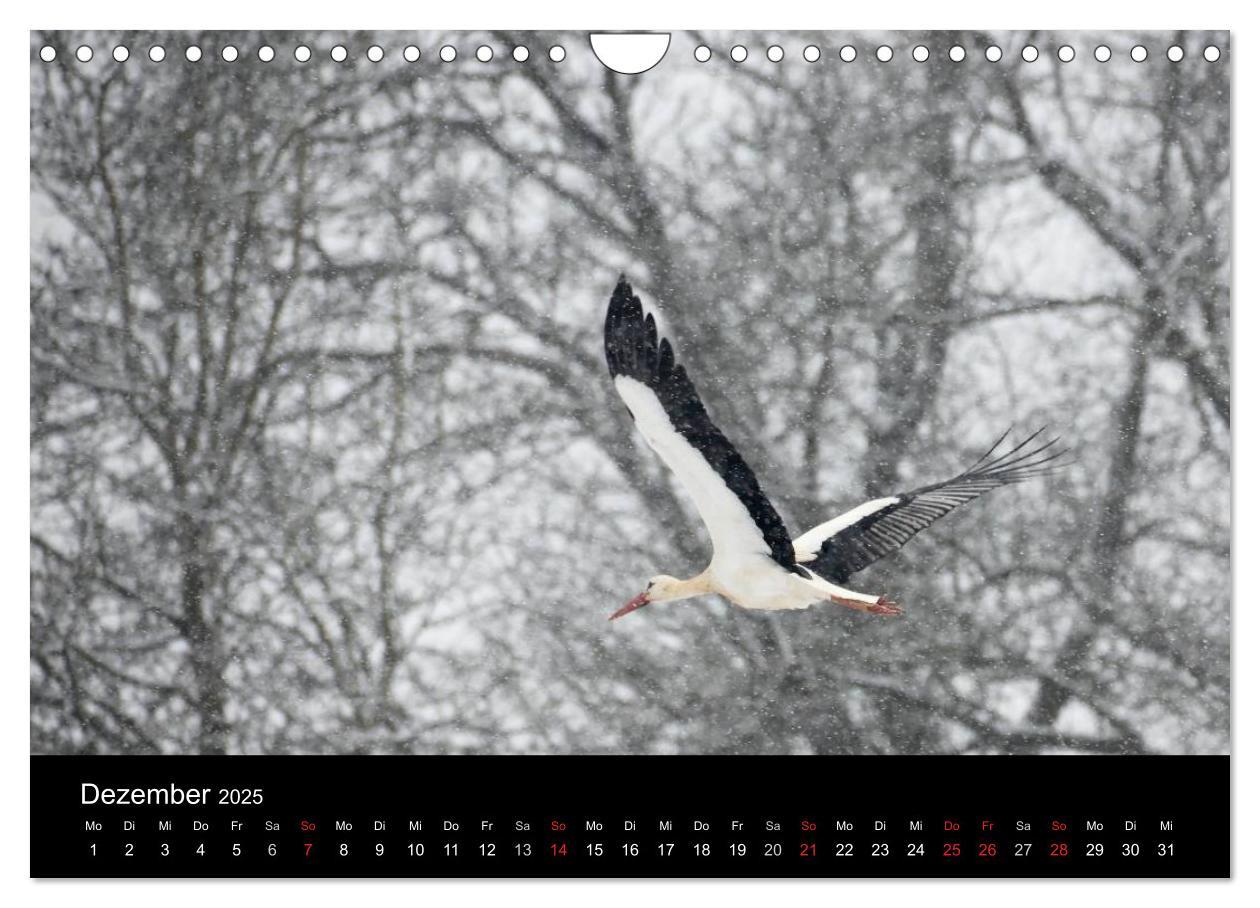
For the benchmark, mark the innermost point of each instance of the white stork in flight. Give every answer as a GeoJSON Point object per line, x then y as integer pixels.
{"type": "Point", "coordinates": [755, 563]}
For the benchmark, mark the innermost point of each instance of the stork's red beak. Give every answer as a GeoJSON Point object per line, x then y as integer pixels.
{"type": "Point", "coordinates": [637, 602]}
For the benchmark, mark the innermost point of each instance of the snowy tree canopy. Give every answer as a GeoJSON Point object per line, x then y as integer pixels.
{"type": "Point", "coordinates": [325, 457]}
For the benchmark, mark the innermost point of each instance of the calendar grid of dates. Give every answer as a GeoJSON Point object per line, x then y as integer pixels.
{"type": "Point", "coordinates": [618, 816]}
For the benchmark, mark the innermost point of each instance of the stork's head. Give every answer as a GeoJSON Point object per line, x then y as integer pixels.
{"type": "Point", "coordinates": [661, 588]}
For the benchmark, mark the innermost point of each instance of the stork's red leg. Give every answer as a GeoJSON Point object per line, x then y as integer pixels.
{"type": "Point", "coordinates": [884, 606]}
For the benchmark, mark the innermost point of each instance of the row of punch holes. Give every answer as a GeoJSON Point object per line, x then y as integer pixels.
{"type": "Point", "coordinates": [229, 53]}
{"type": "Point", "coordinates": [884, 53]}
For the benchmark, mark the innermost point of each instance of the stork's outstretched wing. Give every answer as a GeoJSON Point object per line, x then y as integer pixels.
{"type": "Point", "coordinates": [671, 417]}
{"type": "Point", "coordinates": [845, 545]}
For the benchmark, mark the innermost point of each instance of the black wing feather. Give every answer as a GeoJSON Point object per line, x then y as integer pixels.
{"type": "Point", "coordinates": [632, 349]}
{"type": "Point", "coordinates": [885, 531]}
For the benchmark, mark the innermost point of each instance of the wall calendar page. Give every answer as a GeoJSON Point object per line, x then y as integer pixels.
{"type": "Point", "coordinates": [722, 454]}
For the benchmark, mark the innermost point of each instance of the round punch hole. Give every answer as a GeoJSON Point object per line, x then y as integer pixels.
{"type": "Point", "coordinates": [703, 54]}
{"type": "Point", "coordinates": [557, 54]}
{"type": "Point", "coordinates": [411, 53]}
{"type": "Point", "coordinates": [739, 53]}
{"type": "Point", "coordinates": [121, 54]}
{"type": "Point", "coordinates": [993, 53]}
{"type": "Point", "coordinates": [339, 53]}
{"type": "Point", "coordinates": [1138, 54]}
{"type": "Point", "coordinates": [229, 53]}
{"type": "Point", "coordinates": [1102, 53]}
{"type": "Point", "coordinates": [485, 53]}
{"type": "Point", "coordinates": [774, 53]}
{"type": "Point", "coordinates": [447, 53]}
{"type": "Point", "coordinates": [958, 53]}
{"type": "Point", "coordinates": [848, 53]}
{"type": "Point", "coordinates": [192, 54]}
{"type": "Point", "coordinates": [1176, 54]}
{"type": "Point", "coordinates": [920, 53]}
{"type": "Point", "coordinates": [811, 53]}
{"type": "Point", "coordinates": [1029, 53]}
{"type": "Point", "coordinates": [266, 53]}
{"type": "Point", "coordinates": [1211, 53]}
{"type": "Point", "coordinates": [1067, 53]}
{"type": "Point", "coordinates": [302, 53]}
{"type": "Point", "coordinates": [883, 53]}
{"type": "Point", "coordinates": [83, 53]}
{"type": "Point", "coordinates": [375, 54]}
{"type": "Point", "coordinates": [520, 53]}
{"type": "Point", "coordinates": [48, 53]}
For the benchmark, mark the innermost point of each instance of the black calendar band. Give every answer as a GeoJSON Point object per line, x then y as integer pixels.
{"type": "Point", "coordinates": [618, 816]}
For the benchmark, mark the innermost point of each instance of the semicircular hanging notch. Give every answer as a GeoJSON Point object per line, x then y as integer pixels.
{"type": "Point", "coordinates": [630, 53]}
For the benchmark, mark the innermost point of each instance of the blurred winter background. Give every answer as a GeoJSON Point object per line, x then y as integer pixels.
{"type": "Point", "coordinates": [324, 455]}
